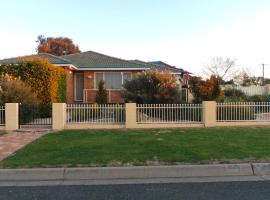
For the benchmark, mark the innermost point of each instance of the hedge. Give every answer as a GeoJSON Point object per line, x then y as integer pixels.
{"type": "Point", "coordinates": [62, 88]}
{"type": "Point", "coordinates": [45, 79]}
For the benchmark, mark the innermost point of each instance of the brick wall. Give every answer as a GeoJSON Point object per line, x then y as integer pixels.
{"type": "Point", "coordinates": [114, 96]}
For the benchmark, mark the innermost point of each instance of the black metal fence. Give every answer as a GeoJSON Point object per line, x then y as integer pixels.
{"type": "Point", "coordinates": [35, 115]}
{"type": "Point", "coordinates": [2, 116]}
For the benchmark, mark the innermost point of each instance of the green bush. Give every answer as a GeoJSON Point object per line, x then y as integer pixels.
{"type": "Point", "coordinates": [259, 98]}
{"type": "Point", "coordinates": [62, 89]}
{"type": "Point", "coordinates": [232, 95]}
{"type": "Point", "coordinates": [152, 87]}
{"type": "Point", "coordinates": [234, 92]}
{"type": "Point", "coordinates": [102, 95]}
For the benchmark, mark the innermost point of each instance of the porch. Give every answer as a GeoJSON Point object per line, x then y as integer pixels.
{"type": "Point", "coordinates": [85, 85]}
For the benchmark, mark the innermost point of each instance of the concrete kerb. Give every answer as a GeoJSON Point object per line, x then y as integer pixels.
{"type": "Point", "coordinates": [143, 172]}
{"type": "Point", "coordinates": [31, 174]}
{"type": "Point", "coordinates": [261, 169]}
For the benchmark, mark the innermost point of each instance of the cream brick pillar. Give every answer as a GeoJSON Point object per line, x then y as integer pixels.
{"type": "Point", "coordinates": [131, 115]}
{"type": "Point", "coordinates": [58, 116]}
{"type": "Point", "coordinates": [12, 116]}
{"type": "Point", "coordinates": [209, 113]}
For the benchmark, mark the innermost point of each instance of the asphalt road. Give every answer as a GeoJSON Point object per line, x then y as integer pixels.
{"type": "Point", "coordinates": [215, 190]}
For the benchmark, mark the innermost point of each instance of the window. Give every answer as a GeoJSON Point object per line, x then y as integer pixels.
{"type": "Point", "coordinates": [99, 77]}
{"type": "Point", "coordinates": [126, 77]}
{"type": "Point", "coordinates": [113, 80]}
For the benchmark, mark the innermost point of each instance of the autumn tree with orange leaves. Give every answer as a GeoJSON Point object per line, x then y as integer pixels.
{"type": "Point", "coordinates": [56, 45]}
{"type": "Point", "coordinates": [206, 90]}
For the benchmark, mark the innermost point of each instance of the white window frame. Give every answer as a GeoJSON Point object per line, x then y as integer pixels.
{"type": "Point", "coordinates": [103, 76]}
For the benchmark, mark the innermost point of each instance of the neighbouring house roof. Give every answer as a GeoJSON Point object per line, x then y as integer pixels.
{"type": "Point", "coordinates": [164, 66]}
{"type": "Point", "coordinates": [161, 66]}
{"type": "Point", "coordinates": [52, 59]}
{"type": "Point", "coordinates": [94, 60]}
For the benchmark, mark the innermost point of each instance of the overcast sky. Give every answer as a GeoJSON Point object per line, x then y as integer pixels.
{"type": "Point", "coordinates": [184, 33]}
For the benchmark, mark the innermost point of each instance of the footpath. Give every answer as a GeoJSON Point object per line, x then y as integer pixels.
{"type": "Point", "coordinates": [137, 173]}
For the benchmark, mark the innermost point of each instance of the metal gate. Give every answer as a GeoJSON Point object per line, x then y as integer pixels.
{"type": "Point", "coordinates": [35, 116]}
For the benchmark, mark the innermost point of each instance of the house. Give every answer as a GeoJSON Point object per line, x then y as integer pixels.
{"type": "Point", "coordinates": [86, 69]}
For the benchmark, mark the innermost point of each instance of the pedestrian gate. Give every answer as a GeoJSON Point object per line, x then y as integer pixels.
{"type": "Point", "coordinates": [35, 116]}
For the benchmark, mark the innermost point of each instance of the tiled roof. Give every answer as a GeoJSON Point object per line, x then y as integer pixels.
{"type": "Point", "coordinates": [90, 59]}
{"type": "Point", "coordinates": [94, 60]}
{"type": "Point", "coordinates": [161, 66]}
{"type": "Point", "coordinates": [52, 59]}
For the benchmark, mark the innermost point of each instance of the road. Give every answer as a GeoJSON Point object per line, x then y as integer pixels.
{"type": "Point", "coordinates": [244, 190]}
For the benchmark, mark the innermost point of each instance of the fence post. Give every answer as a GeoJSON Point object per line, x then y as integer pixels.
{"type": "Point", "coordinates": [58, 116]}
{"type": "Point", "coordinates": [12, 116]}
{"type": "Point", "coordinates": [209, 113]}
{"type": "Point", "coordinates": [131, 115]}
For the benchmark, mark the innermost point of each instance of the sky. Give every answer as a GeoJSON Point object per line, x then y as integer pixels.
{"type": "Point", "coordinates": [183, 33]}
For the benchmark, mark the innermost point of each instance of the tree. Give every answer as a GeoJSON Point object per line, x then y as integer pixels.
{"type": "Point", "coordinates": [205, 90]}
{"type": "Point", "coordinates": [13, 90]}
{"type": "Point", "coordinates": [102, 95]}
{"type": "Point", "coordinates": [57, 46]}
{"type": "Point", "coordinates": [223, 68]}
{"type": "Point", "coordinates": [152, 87]}
{"type": "Point", "coordinates": [247, 78]}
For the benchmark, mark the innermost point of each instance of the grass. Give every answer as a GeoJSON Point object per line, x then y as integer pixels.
{"type": "Point", "coordinates": [144, 147]}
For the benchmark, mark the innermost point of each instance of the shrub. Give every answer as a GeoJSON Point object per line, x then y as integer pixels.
{"type": "Point", "coordinates": [234, 92]}
{"type": "Point", "coordinates": [152, 87]}
{"type": "Point", "coordinates": [206, 90]}
{"type": "Point", "coordinates": [44, 78]}
{"type": "Point", "coordinates": [259, 98]}
{"type": "Point", "coordinates": [15, 91]}
{"type": "Point", "coordinates": [62, 87]}
{"type": "Point", "coordinates": [102, 95]}
{"type": "Point", "coordinates": [232, 95]}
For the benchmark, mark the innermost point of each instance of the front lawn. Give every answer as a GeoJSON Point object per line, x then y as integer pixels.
{"type": "Point", "coordinates": [144, 147]}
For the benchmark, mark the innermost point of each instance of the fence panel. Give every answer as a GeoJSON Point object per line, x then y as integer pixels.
{"type": "Point", "coordinates": [96, 113]}
{"type": "Point", "coordinates": [169, 113]}
{"type": "Point", "coordinates": [253, 90]}
{"type": "Point", "coordinates": [248, 90]}
{"type": "Point", "coordinates": [243, 111]}
{"type": "Point", "coordinates": [2, 116]}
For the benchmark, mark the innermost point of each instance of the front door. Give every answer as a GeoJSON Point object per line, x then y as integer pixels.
{"type": "Point", "coordinates": [78, 86]}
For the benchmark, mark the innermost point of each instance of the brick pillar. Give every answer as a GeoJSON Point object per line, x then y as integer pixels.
{"type": "Point", "coordinates": [58, 116]}
{"type": "Point", "coordinates": [131, 115]}
{"type": "Point", "coordinates": [209, 113]}
{"type": "Point", "coordinates": [12, 116]}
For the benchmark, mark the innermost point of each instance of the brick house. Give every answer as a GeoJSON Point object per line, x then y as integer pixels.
{"type": "Point", "coordinates": [85, 70]}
